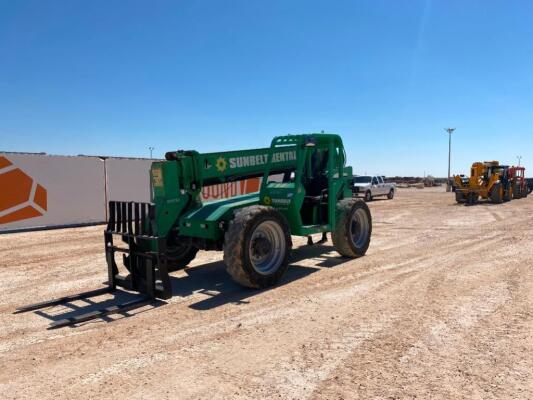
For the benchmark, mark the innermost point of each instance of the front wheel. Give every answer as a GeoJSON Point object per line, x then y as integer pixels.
{"type": "Point", "coordinates": [390, 196]}
{"type": "Point", "coordinates": [353, 228]}
{"type": "Point", "coordinates": [496, 193]}
{"type": "Point", "coordinates": [257, 246]}
{"type": "Point", "coordinates": [507, 193]}
{"type": "Point", "coordinates": [179, 253]}
{"type": "Point", "coordinates": [517, 194]}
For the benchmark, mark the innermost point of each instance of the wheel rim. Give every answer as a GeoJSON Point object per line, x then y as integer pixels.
{"type": "Point", "coordinates": [359, 228]}
{"type": "Point", "coordinates": [267, 247]}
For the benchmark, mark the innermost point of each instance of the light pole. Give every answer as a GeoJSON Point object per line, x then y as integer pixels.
{"type": "Point", "coordinates": [519, 159]}
{"type": "Point", "coordinates": [450, 131]}
{"type": "Point", "coordinates": [151, 150]}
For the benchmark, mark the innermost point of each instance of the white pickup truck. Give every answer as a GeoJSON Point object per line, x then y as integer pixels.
{"type": "Point", "coordinates": [369, 187]}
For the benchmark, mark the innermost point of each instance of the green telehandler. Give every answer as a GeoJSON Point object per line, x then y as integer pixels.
{"type": "Point", "coordinates": [312, 194]}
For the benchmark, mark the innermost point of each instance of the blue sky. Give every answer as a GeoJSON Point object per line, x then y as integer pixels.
{"type": "Point", "coordinates": [114, 77]}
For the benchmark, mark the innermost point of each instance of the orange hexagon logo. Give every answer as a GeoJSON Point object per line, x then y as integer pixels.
{"type": "Point", "coordinates": [20, 196]}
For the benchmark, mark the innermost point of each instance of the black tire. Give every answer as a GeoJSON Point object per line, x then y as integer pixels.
{"type": "Point", "coordinates": [517, 194]}
{"type": "Point", "coordinates": [496, 194]}
{"type": "Point", "coordinates": [179, 253]}
{"type": "Point", "coordinates": [460, 197]}
{"type": "Point", "coordinates": [253, 229]}
{"type": "Point", "coordinates": [368, 196]}
{"type": "Point", "coordinates": [353, 228]}
{"type": "Point", "coordinates": [390, 196]}
{"type": "Point", "coordinates": [507, 193]}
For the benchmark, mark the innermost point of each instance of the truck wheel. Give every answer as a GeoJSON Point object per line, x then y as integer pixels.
{"type": "Point", "coordinates": [179, 254]}
{"type": "Point", "coordinates": [257, 246]}
{"type": "Point", "coordinates": [390, 196]}
{"type": "Point", "coordinates": [460, 197]}
{"type": "Point", "coordinates": [496, 195]}
{"type": "Point", "coordinates": [368, 196]}
{"type": "Point", "coordinates": [353, 228]}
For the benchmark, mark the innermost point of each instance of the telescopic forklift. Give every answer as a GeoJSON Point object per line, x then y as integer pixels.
{"type": "Point", "coordinates": [312, 195]}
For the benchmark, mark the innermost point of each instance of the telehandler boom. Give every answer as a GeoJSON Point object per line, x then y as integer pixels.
{"type": "Point", "coordinates": [312, 194]}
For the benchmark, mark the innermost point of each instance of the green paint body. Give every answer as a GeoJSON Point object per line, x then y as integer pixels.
{"type": "Point", "coordinates": [177, 184]}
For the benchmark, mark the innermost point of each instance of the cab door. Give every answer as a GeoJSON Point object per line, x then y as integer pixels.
{"type": "Point", "coordinates": [382, 188]}
{"type": "Point", "coordinates": [375, 186]}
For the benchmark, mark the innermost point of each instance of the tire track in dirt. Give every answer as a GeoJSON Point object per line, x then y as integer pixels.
{"type": "Point", "coordinates": [470, 312]}
{"type": "Point", "coordinates": [438, 278]}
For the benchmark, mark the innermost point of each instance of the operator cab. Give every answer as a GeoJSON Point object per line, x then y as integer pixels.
{"type": "Point", "coordinates": [316, 185]}
{"type": "Point", "coordinates": [502, 170]}
{"type": "Point", "coordinates": [309, 192]}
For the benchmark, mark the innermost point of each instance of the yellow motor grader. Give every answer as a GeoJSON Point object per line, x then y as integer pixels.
{"type": "Point", "coordinates": [488, 180]}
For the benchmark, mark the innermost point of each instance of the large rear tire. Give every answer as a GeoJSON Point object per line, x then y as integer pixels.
{"type": "Point", "coordinates": [353, 228]}
{"type": "Point", "coordinates": [460, 197]}
{"type": "Point", "coordinates": [257, 246]}
{"type": "Point", "coordinates": [496, 194]}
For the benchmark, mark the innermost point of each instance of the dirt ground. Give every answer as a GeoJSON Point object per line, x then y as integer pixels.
{"type": "Point", "coordinates": [440, 307]}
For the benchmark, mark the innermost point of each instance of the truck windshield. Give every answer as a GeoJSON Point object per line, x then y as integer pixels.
{"type": "Point", "coordinates": [363, 179]}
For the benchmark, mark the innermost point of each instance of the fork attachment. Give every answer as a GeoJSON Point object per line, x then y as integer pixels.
{"type": "Point", "coordinates": [144, 256]}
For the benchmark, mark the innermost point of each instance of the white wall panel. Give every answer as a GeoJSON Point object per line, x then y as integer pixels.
{"type": "Point", "coordinates": [128, 179]}
{"type": "Point", "coordinates": [39, 190]}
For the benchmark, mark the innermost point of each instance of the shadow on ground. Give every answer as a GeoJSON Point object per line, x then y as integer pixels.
{"type": "Point", "coordinates": [209, 279]}
{"type": "Point", "coordinates": [212, 279]}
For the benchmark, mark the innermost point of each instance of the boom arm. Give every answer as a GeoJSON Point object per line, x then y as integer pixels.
{"type": "Point", "coordinates": [212, 168]}
{"type": "Point", "coordinates": [177, 182]}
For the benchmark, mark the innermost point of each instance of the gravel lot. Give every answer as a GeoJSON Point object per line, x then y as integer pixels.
{"type": "Point", "coordinates": [441, 307]}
